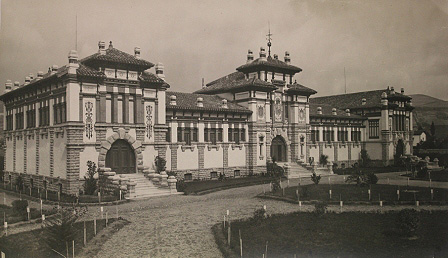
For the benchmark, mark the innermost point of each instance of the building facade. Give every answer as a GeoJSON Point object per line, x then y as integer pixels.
{"type": "Point", "coordinates": [109, 108]}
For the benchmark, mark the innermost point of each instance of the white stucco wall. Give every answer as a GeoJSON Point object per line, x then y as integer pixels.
{"type": "Point", "coordinates": [60, 158]}
{"type": "Point", "coordinates": [31, 156]}
{"type": "Point", "coordinates": [149, 154]}
{"type": "Point", "coordinates": [343, 153]}
{"type": "Point", "coordinates": [213, 158]}
{"type": "Point", "coordinates": [374, 150]}
{"type": "Point", "coordinates": [89, 154]}
{"type": "Point", "coordinates": [44, 156]}
{"type": "Point", "coordinates": [329, 151]}
{"type": "Point", "coordinates": [19, 155]}
{"type": "Point", "coordinates": [237, 157]}
{"type": "Point", "coordinates": [314, 152]}
{"type": "Point", "coordinates": [356, 153]}
{"type": "Point", "coordinates": [9, 155]}
{"type": "Point", "coordinates": [187, 159]}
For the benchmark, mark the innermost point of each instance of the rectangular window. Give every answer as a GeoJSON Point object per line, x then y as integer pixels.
{"type": "Point", "coordinates": [31, 118]}
{"type": "Point", "coordinates": [219, 134]}
{"type": "Point", "coordinates": [374, 129]}
{"type": "Point", "coordinates": [213, 135]}
{"type": "Point", "coordinates": [179, 134]}
{"type": "Point", "coordinates": [187, 136]}
{"type": "Point", "coordinates": [168, 135]}
{"type": "Point", "coordinates": [313, 136]}
{"type": "Point", "coordinates": [243, 134]}
{"type": "Point", "coordinates": [195, 134]}
{"type": "Point", "coordinates": [19, 120]}
{"type": "Point", "coordinates": [236, 135]}
{"type": "Point", "coordinates": [206, 135]}
{"type": "Point", "coordinates": [229, 135]}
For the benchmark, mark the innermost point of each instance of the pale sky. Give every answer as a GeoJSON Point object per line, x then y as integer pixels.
{"type": "Point", "coordinates": [399, 43]}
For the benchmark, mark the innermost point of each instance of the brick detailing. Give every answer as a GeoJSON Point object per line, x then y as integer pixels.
{"type": "Point", "coordinates": [74, 138]}
{"type": "Point", "coordinates": [25, 143]}
{"type": "Point", "coordinates": [225, 155]}
{"type": "Point", "coordinates": [51, 152]}
{"type": "Point", "coordinates": [173, 149]}
{"type": "Point", "coordinates": [159, 133]}
{"type": "Point", "coordinates": [14, 153]}
{"type": "Point", "coordinates": [201, 148]}
{"type": "Point", "coordinates": [336, 150]}
{"type": "Point", "coordinates": [294, 136]}
{"type": "Point", "coordinates": [37, 137]}
{"type": "Point", "coordinates": [140, 134]}
{"type": "Point", "coordinates": [100, 136]}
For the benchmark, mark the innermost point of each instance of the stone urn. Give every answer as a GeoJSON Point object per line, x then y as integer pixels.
{"type": "Point", "coordinates": [172, 184]}
{"type": "Point", "coordinates": [163, 178]}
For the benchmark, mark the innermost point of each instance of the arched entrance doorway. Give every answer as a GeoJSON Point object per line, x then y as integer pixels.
{"type": "Point", "coordinates": [121, 158]}
{"type": "Point", "coordinates": [400, 149]}
{"type": "Point", "coordinates": [278, 149]}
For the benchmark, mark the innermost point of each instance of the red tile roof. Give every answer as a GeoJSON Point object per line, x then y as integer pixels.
{"type": "Point", "coordinates": [114, 55]}
{"type": "Point", "coordinates": [327, 111]}
{"type": "Point", "coordinates": [298, 88]}
{"type": "Point", "coordinates": [235, 82]}
{"type": "Point", "coordinates": [188, 101]}
{"type": "Point", "coordinates": [269, 62]}
{"type": "Point", "coordinates": [354, 100]}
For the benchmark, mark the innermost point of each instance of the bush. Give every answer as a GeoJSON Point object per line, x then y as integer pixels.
{"type": "Point", "coordinates": [320, 208]}
{"type": "Point", "coordinates": [323, 160]}
{"type": "Point", "coordinates": [372, 179]}
{"type": "Point", "coordinates": [19, 206]}
{"type": "Point", "coordinates": [160, 164]}
{"type": "Point", "coordinates": [365, 159]}
{"type": "Point", "coordinates": [181, 185]}
{"type": "Point", "coordinates": [315, 178]}
{"type": "Point", "coordinates": [408, 221]}
{"type": "Point", "coordinates": [359, 177]}
{"type": "Point", "coordinates": [276, 185]}
{"type": "Point", "coordinates": [90, 183]}
{"type": "Point", "coordinates": [260, 214]}
{"type": "Point", "coordinates": [19, 182]}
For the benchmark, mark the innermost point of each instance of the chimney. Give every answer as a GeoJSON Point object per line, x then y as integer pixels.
{"type": "Point", "coordinates": [8, 86]}
{"type": "Point", "coordinates": [224, 103]}
{"type": "Point", "coordinates": [173, 100]}
{"type": "Point", "coordinates": [250, 56]}
{"type": "Point", "coordinates": [287, 57]}
{"type": "Point", "coordinates": [40, 75]}
{"type": "Point", "coordinates": [333, 111]}
{"type": "Point", "coordinates": [137, 52]}
{"type": "Point", "coordinates": [402, 91]}
{"type": "Point", "coordinates": [203, 84]}
{"type": "Point", "coordinates": [262, 54]}
{"type": "Point", "coordinates": [384, 99]}
{"type": "Point", "coordinates": [16, 85]}
{"type": "Point", "coordinates": [200, 102]}
{"type": "Point", "coordinates": [392, 91]}
{"type": "Point", "coordinates": [110, 44]}
{"type": "Point", "coordinates": [72, 61]}
{"type": "Point", "coordinates": [319, 110]}
{"type": "Point", "coordinates": [27, 80]}
{"type": "Point", "coordinates": [31, 75]}
{"type": "Point", "coordinates": [276, 56]}
{"type": "Point", "coordinates": [54, 69]}
{"type": "Point", "coordinates": [159, 71]}
{"type": "Point", "coordinates": [347, 112]}
{"type": "Point", "coordinates": [363, 101]}
{"type": "Point", "coordinates": [102, 48]}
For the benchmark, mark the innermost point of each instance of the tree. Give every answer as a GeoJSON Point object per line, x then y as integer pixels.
{"type": "Point", "coordinates": [60, 230]}
{"type": "Point", "coordinates": [433, 129]}
{"type": "Point", "coordinates": [323, 160]}
{"type": "Point", "coordinates": [365, 158]}
{"type": "Point", "coordinates": [90, 183]}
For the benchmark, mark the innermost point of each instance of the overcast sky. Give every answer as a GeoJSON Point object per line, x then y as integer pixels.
{"type": "Point", "coordinates": [399, 43]}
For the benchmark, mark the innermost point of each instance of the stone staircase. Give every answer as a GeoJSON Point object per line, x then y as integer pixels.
{"type": "Point", "coordinates": [302, 169]}
{"type": "Point", "coordinates": [144, 188]}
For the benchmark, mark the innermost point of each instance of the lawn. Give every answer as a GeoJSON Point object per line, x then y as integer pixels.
{"type": "Point", "coordinates": [353, 192]}
{"type": "Point", "coordinates": [212, 185]}
{"type": "Point", "coordinates": [367, 170]}
{"type": "Point", "coordinates": [32, 243]}
{"type": "Point", "coordinates": [338, 235]}
{"type": "Point", "coordinates": [11, 216]}
{"type": "Point", "coordinates": [440, 176]}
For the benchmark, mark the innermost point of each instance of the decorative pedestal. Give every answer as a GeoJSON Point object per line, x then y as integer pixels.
{"type": "Point", "coordinates": [172, 184]}
{"type": "Point", "coordinates": [330, 167]}
{"type": "Point", "coordinates": [164, 177]}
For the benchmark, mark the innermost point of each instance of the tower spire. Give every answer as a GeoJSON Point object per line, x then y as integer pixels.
{"type": "Point", "coordinates": [269, 39]}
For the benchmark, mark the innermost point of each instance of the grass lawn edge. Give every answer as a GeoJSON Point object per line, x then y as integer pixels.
{"type": "Point", "coordinates": [94, 246]}
{"type": "Point", "coordinates": [222, 188]}
{"type": "Point", "coordinates": [221, 242]}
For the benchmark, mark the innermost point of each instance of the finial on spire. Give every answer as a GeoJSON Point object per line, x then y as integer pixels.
{"type": "Point", "coordinates": [269, 39]}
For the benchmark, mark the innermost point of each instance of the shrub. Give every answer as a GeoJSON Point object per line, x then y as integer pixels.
{"type": "Point", "coordinates": [19, 206]}
{"type": "Point", "coordinates": [260, 214]}
{"type": "Point", "coordinates": [160, 164]}
{"type": "Point", "coordinates": [323, 160]}
{"type": "Point", "coordinates": [276, 185]}
{"type": "Point", "coordinates": [315, 178]}
{"type": "Point", "coordinates": [19, 182]}
{"type": "Point", "coordinates": [408, 221]}
{"type": "Point", "coordinates": [90, 183]}
{"type": "Point", "coordinates": [181, 186]}
{"type": "Point", "coordinates": [320, 208]}
{"type": "Point", "coordinates": [304, 191]}
{"type": "Point", "coordinates": [359, 177]}
{"type": "Point", "coordinates": [365, 159]}
{"type": "Point", "coordinates": [372, 179]}
{"type": "Point", "coordinates": [60, 229]}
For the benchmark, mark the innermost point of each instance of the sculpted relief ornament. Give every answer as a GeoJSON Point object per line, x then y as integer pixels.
{"type": "Point", "coordinates": [149, 121]}
{"type": "Point", "coordinates": [89, 119]}
{"type": "Point", "coordinates": [260, 111]}
{"type": "Point", "coordinates": [278, 108]}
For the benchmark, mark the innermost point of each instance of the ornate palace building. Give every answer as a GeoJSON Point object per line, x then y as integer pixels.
{"type": "Point", "coordinates": [109, 108]}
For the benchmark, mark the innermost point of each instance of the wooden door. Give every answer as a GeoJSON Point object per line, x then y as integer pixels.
{"type": "Point", "coordinates": [121, 158]}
